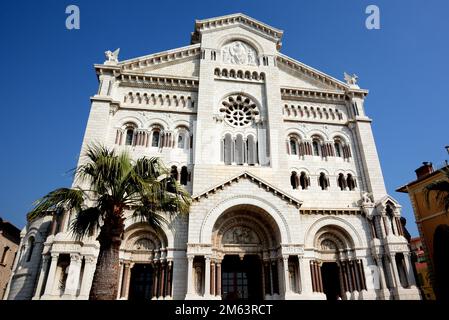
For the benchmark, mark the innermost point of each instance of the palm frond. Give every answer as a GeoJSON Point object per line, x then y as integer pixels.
{"type": "Point", "coordinates": [57, 200]}
{"type": "Point", "coordinates": [85, 222]}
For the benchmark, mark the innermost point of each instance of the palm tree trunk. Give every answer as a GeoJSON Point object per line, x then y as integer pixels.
{"type": "Point", "coordinates": [105, 281]}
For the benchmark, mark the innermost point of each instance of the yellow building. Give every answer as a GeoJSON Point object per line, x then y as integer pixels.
{"type": "Point", "coordinates": [433, 225]}
{"type": "Point", "coordinates": [9, 244]}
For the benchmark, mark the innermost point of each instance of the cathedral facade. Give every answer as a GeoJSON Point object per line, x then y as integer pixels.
{"type": "Point", "coordinates": [289, 201]}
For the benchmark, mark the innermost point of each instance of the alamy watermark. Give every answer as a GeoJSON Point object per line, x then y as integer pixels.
{"type": "Point", "coordinates": [73, 20]}
{"type": "Point", "coordinates": [372, 22]}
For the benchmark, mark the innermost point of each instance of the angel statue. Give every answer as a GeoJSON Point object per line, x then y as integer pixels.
{"type": "Point", "coordinates": [112, 56]}
{"type": "Point", "coordinates": [351, 79]}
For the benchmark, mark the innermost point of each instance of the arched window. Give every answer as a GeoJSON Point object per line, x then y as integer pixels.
{"type": "Point", "coordinates": [294, 180]}
{"type": "Point", "coordinates": [129, 137]}
{"type": "Point", "coordinates": [350, 182]}
{"type": "Point", "coordinates": [338, 149]}
{"type": "Point", "coordinates": [341, 181]}
{"type": "Point", "coordinates": [251, 151]}
{"type": "Point", "coordinates": [184, 175]}
{"type": "Point", "coordinates": [156, 138]}
{"type": "Point", "coordinates": [293, 146]}
{"type": "Point", "coordinates": [30, 248]}
{"type": "Point", "coordinates": [303, 180]}
{"type": "Point", "coordinates": [227, 149]}
{"type": "Point", "coordinates": [316, 148]}
{"type": "Point", "coordinates": [323, 181]}
{"type": "Point", "coordinates": [239, 150]}
{"type": "Point", "coordinates": [174, 172]}
{"type": "Point", "coordinates": [181, 141]}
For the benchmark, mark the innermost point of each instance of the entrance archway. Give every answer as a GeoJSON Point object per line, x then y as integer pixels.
{"type": "Point", "coordinates": [336, 272]}
{"type": "Point", "coordinates": [241, 278]}
{"type": "Point", "coordinates": [331, 280]}
{"type": "Point", "coordinates": [141, 286]}
{"type": "Point", "coordinates": [246, 254]}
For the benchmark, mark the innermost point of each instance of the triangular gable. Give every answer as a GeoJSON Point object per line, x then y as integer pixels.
{"type": "Point", "coordinates": [251, 177]}
{"type": "Point", "coordinates": [267, 31]}
{"type": "Point", "coordinates": [382, 202]}
{"type": "Point", "coordinates": [160, 59]}
{"type": "Point", "coordinates": [314, 76]}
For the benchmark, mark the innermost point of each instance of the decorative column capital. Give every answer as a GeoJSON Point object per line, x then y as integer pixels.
{"type": "Point", "coordinates": [54, 255]}
{"type": "Point", "coordinates": [75, 257]}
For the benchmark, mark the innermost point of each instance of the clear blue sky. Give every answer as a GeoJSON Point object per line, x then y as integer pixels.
{"type": "Point", "coordinates": [48, 75]}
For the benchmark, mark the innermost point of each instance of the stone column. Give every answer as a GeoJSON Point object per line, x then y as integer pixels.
{"type": "Point", "coordinates": [305, 276]}
{"type": "Point", "coordinates": [73, 276]}
{"type": "Point", "coordinates": [341, 280]}
{"type": "Point", "coordinates": [169, 279]}
{"type": "Point", "coordinates": [383, 283]}
{"type": "Point", "coordinates": [120, 280]}
{"type": "Point", "coordinates": [207, 276]}
{"type": "Point", "coordinates": [42, 274]}
{"type": "Point", "coordinates": [51, 275]}
{"type": "Point", "coordinates": [212, 278]}
{"type": "Point", "coordinates": [409, 270]}
{"type": "Point", "coordinates": [156, 283]}
{"type": "Point", "coordinates": [125, 281]}
{"type": "Point", "coordinates": [288, 290]}
{"type": "Point", "coordinates": [394, 265]}
{"type": "Point", "coordinates": [320, 280]}
{"type": "Point", "coordinates": [218, 291]}
{"type": "Point", "coordinates": [88, 275]}
{"type": "Point", "coordinates": [190, 276]}
{"type": "Point", "coordinates": [162, 280]}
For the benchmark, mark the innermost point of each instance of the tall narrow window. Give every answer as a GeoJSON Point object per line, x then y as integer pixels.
{"type": "Point", "coordinates": [227, 149]}
{"type": "Point", "coordinates": [303, 180]}
{"type": "Point", "coordinates": [4, 255]}
{"type": "Point", "coordinates": [155, 139]}
{"type": "Point", "coordinates": [316, 148]}
{"type": "Point", "coordinates": [184, 175]}
{"type": "Point", "coordinates": [337, 146]}
{"type": "Point", "coordinates": [239, 150]}
{"type": "Point", "coordinates": [129, 137]}
{"type": "Point", "coordinates": [30, 248]}
{"type": "Point", "coordinates": [293, 147]}
{"type": "Point", "coordinates": [350, 182]}
{"type": "Point", "coordinates": [341, 181]}
{"type": "Point", "coordinates": [323, 182]}
{"type": "Point", "coordinates": [251, 150]}
{"type": "Point", "coordinates": [294, 180]}
{"type": "Point", "coordinates": [181, 141]}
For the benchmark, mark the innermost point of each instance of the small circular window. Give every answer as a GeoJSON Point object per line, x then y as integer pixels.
{"type": "Point", "coordinates": [239, 111]}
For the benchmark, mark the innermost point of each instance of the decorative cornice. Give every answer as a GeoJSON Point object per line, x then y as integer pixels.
{"type": "Point", "coordinates": [270, 32]}
{"type": "Point", "coordinates": [158, 82]}
{"type": "Point", "coordinates": [160, 57]}
{"type": "Point", "coordinates": [353, 211]}
{"type": "Point", "coordinates": [247, 175]}
{"type": "Point", "coordinates": [302, 94]}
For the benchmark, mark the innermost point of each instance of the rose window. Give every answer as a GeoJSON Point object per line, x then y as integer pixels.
{"type": "Point", "coordinates": [239, 111]}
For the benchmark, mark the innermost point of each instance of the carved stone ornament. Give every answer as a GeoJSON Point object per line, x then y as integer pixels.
{"type": "Point", "coordinates": [328, 245]}
{"type": "Point", "coordinates": [144, 244]}
{"type": "Point", "coordinates": [238, 52]}
{"type": "Point", "coordinates": [240, 235]}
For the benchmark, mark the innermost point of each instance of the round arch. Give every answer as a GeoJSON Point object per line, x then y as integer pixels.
{"type": "Point", "coordinates": [250, 201]}
{"type": "Point", "coordinates": [240, 37]}
{"type": "Point", "coordinates": [311, 232]}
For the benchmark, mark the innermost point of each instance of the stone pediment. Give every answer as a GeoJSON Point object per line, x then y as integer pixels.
{"type": "Point", "coordinates": [252, 178]}
{"type": "Point", "coordinates": [299, 75]}
{"type": "Point", "coordinates": [240, 19]}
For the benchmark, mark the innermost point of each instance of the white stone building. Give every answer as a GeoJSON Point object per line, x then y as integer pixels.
{"type": "Point", "coordinates": [289, 197]}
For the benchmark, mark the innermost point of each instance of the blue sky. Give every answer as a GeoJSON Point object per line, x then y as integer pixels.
{"type": "Point", "coordinates": [48, 75]}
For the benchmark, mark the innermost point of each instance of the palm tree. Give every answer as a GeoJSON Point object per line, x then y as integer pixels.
{"type": "Point", "coordinates": [441, 187]}
{"type": "Point", "coordinates": [113, 183]}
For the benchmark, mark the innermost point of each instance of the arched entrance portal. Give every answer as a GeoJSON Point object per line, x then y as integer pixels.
{"type": "Point", "coordinates": [146, 269]}
{"type": "Point", "coordinates": [246, 254]}
{"type": "Point", "coordinates": [336, 272]}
